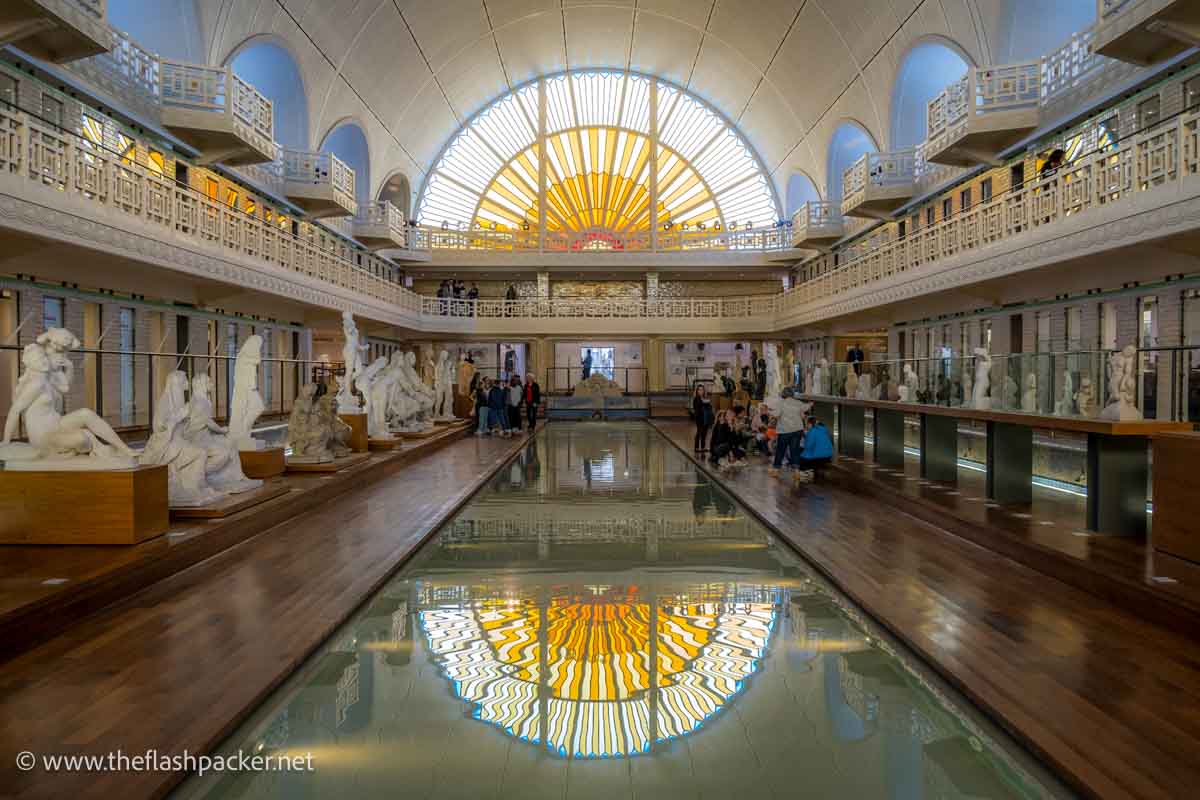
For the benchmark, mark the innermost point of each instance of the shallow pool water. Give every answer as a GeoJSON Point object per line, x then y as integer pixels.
{"type": "Point", "coordinates": [602, 621]}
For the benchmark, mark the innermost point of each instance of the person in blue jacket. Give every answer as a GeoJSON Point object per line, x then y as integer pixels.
{"type": "Point", "coordinates": [817, 449]}
{"type": "Point", "coordinates": [498, 408]}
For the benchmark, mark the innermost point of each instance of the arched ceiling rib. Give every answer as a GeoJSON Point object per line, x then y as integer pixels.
{"type": "Point", "coordinates": [784, 71]}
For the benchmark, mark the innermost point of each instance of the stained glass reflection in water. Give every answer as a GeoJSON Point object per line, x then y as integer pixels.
{"type": "Point", "coordinates": [602, 621]}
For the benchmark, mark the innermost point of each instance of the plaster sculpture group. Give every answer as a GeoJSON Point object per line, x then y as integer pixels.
{"type": "Point", "coordinates": [1122, 386]}
{"type": "Point", "coordinates": [316, 433]}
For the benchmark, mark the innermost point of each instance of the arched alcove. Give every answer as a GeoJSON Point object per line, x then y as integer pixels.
{"type": "Point", "coordinates": [800, 190]}
{"type": "Point", "coordinates": [398, 191]}
{"type": "Point", "coordinates": [170, 28]}
{"type": "Point", "coordinates": [270, 68]}
{"type": "Point", "coordinates": [1032, 28]}
{"type": "Point", "coordinates": [348, 142]}
{"type": "Point", "coordinates": [928, 68]}
{"type": "Point", "coordinates": [849, 141]}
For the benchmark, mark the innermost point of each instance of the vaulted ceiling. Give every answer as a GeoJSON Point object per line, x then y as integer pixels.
{"type": "Point", "coordinates": [787, 72]}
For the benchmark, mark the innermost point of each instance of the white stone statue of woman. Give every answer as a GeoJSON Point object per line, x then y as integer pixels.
{"type": "Point", "coordinates": [774, 374]}
{"type": "Point", "coordinates": [1065, 406]}
{"type": "Point", "coordinates": [1122, 386]}
{"type": "Point", "coordinates": [983, 378]}
{"type": "Point", "coordinates": [80, 440]}
{"type": "Point", "coordinates": [1029, 397]}
{"type": "Point", "coordinates": [443, 403]}
{"type": "Point", "coordinates": [223, 465]}
{"type": "Point", "coordinates": [375, 384]}
{"type": "Point", "coordinates": [352, 355]}
{"type": "Point", "coordinates": [187, 482]}
{"type": "Point", "coordinates": [247, 404]}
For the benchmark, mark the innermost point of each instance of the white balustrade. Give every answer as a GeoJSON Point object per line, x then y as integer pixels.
{"type": "Point", "coordinates": [303, 168]}
{"type": "Point", "coordinates": [127, 73]}
{"type": "Point", "coordinates": [218, 91]}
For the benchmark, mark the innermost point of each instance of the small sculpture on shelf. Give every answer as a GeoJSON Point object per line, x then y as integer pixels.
{"type": "Point", "coordinates": [908, 389]}
{"type": "Point", "coordinates": [79, 440]}
{"type": "Point", "coordinates": [223, 465]}
{"type": "Point", "coordinates": [1029, 403]}
{"type": "Point", "coordinates": [1085, 398]}
{"type": "Point", "coordinates": [247, 404]}
{"type": "Point", "coordinates": [980, 398]}
{"type": "Point", "coordinates": [308, 437]}
{"type": "Point", "coordinates": [851, 383]}
{"type": "Point", "coordinates": [1065, 406]}
{"type": "Point", "coordinates": [1122, 386]}
{"type": "Point", "coordinates": [187, 479]}
{"type": "Point", "coordinates": [352, 355]}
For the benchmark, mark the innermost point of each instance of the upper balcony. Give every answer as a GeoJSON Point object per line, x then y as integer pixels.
{"type": "Point", "coordinates": [1146, 31]}
{"type": "Point", "coordinates": [57, 31]}
{"type": "Point", "coordinates": [879, 183]}
{"type": "Point", "coordinates": [216, 112]}
{"type": "Point", "coordinates": [126, 75]}
{"type": "Point", "coordinates": [987, 111]}
{"type": "Point", "coordinates": [817, 224]}
{"type": "Point", "coordinates": [319, 183]}
{"type": "Point", "coordinates": [380, 226]}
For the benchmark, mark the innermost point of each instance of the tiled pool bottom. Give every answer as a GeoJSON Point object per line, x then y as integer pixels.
{"type": "Point", "coordinates": [603, 621]}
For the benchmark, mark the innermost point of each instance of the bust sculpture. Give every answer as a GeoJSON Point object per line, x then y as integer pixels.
{"type": "Point", "coordinates": [80, 440]}
{"type": "Point", "coordinates": [983, 378]}
{"type": "Point", "coordinates": [187, 481]}
{"type": "Point", "coordinates": [246, 404]}
{"type": "Point", "coordinates": [223, 465]}
{"type": "Point", "coordinates": [443, 398]}
{"type": "Point", "coordinates": [352, 355]}
{"type": "Point", "coordinates": [307, 435]}
{"type": "Point", "coordinates": [1122, 386]}
{"type": "Point", "coordinates": [1065, 406]}
{"type": "Point", "coordinates": [1029, 402]}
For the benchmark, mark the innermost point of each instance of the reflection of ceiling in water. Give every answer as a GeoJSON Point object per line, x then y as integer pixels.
{"type": "Point", "coordinates": [602, 675]}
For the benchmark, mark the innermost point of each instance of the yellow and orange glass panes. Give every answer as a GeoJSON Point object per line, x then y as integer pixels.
{"type": "Point", "coordinates": [127, 148]}
{"type": "Point", "coordinates": [157, 163]}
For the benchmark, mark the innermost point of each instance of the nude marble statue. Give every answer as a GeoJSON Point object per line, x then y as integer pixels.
{"type": "Point", "coordinates": [352, 355]}
{"type": "Point", "coordinates": [443, 402]}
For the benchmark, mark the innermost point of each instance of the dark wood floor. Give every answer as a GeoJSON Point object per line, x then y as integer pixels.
{"type": "Point", "coordinates": [1108, 700]}
{"type": "Point", "coordinates": [178, 665]}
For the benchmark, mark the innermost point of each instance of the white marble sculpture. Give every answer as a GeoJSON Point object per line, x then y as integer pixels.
{"type": "Point", "coordinates": [1029, 396]}
{"type": "Point", "coordinates": [80, 440]}
{"type": "Point", "coordinates": [1011, 393]}
{"type": "Point", "coordinates": [247, 403]}
{"type": "Point", "coordinates": [774, 374]}
{"type": "Point", "coordinates": [308, 437]}
{"type": "Point", "coordinates": [718, 381]}
{"type": "Point", "coordinates": [851, 383]}
{"type": "Point", "coordinates": [968, 384]}
{"type": "Point", "coordinates": [1122, 386]}
{"type": "Point", "coordinates": [864, 387]}
{"type": "Point", "coordinates": [443, 388]}
{"type": "Point", "coordinates": [416, 389]}
{"type": "Point", "coordinates": [1065, 406]}
{"type": "Point", "coordinates": [402, 407]}
{"type": "Point", "coordinates": [980, 398]}
{"type": "Point", "coordinates": [187, 480]}
{"type": "Point", "coordinates": [820, 378]}
{"type": "Point", "coordinates": [352, 355]}
{"type": "Point", "coordinates": [908, 389]}
{"type": "Point", "coordinates": [1085, 398]}
{"type": "Point", "coordinates": [375, 383]}
{"type": "Point", "coordinates": [335, 430]}
{"type": "Point", "coordinates": [223, 464]}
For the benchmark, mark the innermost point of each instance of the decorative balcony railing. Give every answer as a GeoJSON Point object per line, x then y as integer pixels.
{"type": "Point", "coordinates": [69, 164]}
{"type": "Point", "coordinates": [201, 103]}
{"type": "Point", "coordinates": [127, 73]}
{"type": "Point", "coordinates": [776, 238]}
{"type": "Point", "coordinates": [58, 31]}
{"type": "Point", "coordinates": [1152, 160]}
{"type": "Point", "coordinates": [760, 308]}
{"type": "Point", "coordinates": [817, 223]}
{"type": "Point", "coordinates": [381, 226]}
{"type": "Point", "coordinates": [878, 183]}
{"type": "Point", "coordinates": [321, 183]}
{"type": "Point", "coordinates": [984, 111]}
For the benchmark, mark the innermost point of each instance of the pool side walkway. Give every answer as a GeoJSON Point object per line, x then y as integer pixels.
{"type": "Point", "coordinates": [1108, 700]}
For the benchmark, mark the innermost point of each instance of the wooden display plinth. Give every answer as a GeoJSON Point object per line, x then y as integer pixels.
{"type": "Point", "coordinates": [87, 507]}
{"type": "Point", "coordinates": [1176, 530]}
{"type": "Point", "coordinates": [231, 504]}
{"type": "Point", "coordinates": [328, 466]}
{"type": "Point", "coordinates": [419, 434]}
{"type": "Point", "coordinates": [359, 442]}
{"type": "Point", "coordinates": [262, 464]}
{"type": "Point", "coordinates": [383, 444]}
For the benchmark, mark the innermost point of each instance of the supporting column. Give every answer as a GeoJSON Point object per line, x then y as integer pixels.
{"type": "Point", "coordinates": [1117, 471]}
{"type": "Point", "coordinates": [1010, 463]}
{"type": "Point", "coordinates": [889, 437]}
{"type": "Point", "coordinates": [852, 428]}
{"type": "Point", "coordinates": [939, 447]}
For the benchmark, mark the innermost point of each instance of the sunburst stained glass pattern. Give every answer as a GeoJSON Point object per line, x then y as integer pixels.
{"type": "Point", "coordinates": [600, 139]}
{"type": "Point", "coordinates": [596, 659]}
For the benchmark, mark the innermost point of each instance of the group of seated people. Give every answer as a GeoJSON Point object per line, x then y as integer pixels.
{"type": "Point", "coordinates": [786, 434]}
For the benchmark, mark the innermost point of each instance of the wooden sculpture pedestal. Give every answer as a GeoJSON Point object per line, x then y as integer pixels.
{"type": "Point", "coordinates": [83, 507]}
{"type": "Point", "coordinates": [262, 464]}
{"type": "Point", "coordinates": [359, 442]}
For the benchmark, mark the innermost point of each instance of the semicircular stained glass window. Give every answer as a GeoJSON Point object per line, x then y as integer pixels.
{"type": "Point", "coordinates": [600, 159]}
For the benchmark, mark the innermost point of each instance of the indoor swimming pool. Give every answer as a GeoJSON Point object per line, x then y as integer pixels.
{"type": "Point", "coordinates": [603, 621]}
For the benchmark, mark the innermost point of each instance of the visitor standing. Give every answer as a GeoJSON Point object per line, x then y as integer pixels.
{"type": "Point", "coordinates": [702, 413]}
{"type": "Point", "coordinates": [516, 395]}
{"type": "Point", "coordinates": [497, 411]}
{"type": "Point", "coordinates": [533, 399]}
{"type": "Point", "coordinates": [855, 356]}
{"type": "Point", "coordinates": [587, 365]}
{"type": "Point", "coordinates": [481, 389]}
{"type": "Point", "coordinates": [511, 296]}
{"type": "Point", "coordinates": [788, 430]}
{"type": "Point", "coordinates": [473, 297]}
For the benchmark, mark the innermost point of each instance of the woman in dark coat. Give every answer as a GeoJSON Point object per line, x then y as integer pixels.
{"type": "Point", "coordinates": [702, 413]}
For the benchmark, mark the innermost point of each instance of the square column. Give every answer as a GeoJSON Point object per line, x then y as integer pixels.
{"type": "Point", "coordinates": [1010, 463]}
{"type": "Point", "coordinates": [1117, 471]}
{"type": "Point", "coordinates": [852, 427]}
{"type": "Point", "coordinates": [939, 447]}
{"type": "Point", "coordinates": [889, 437]}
